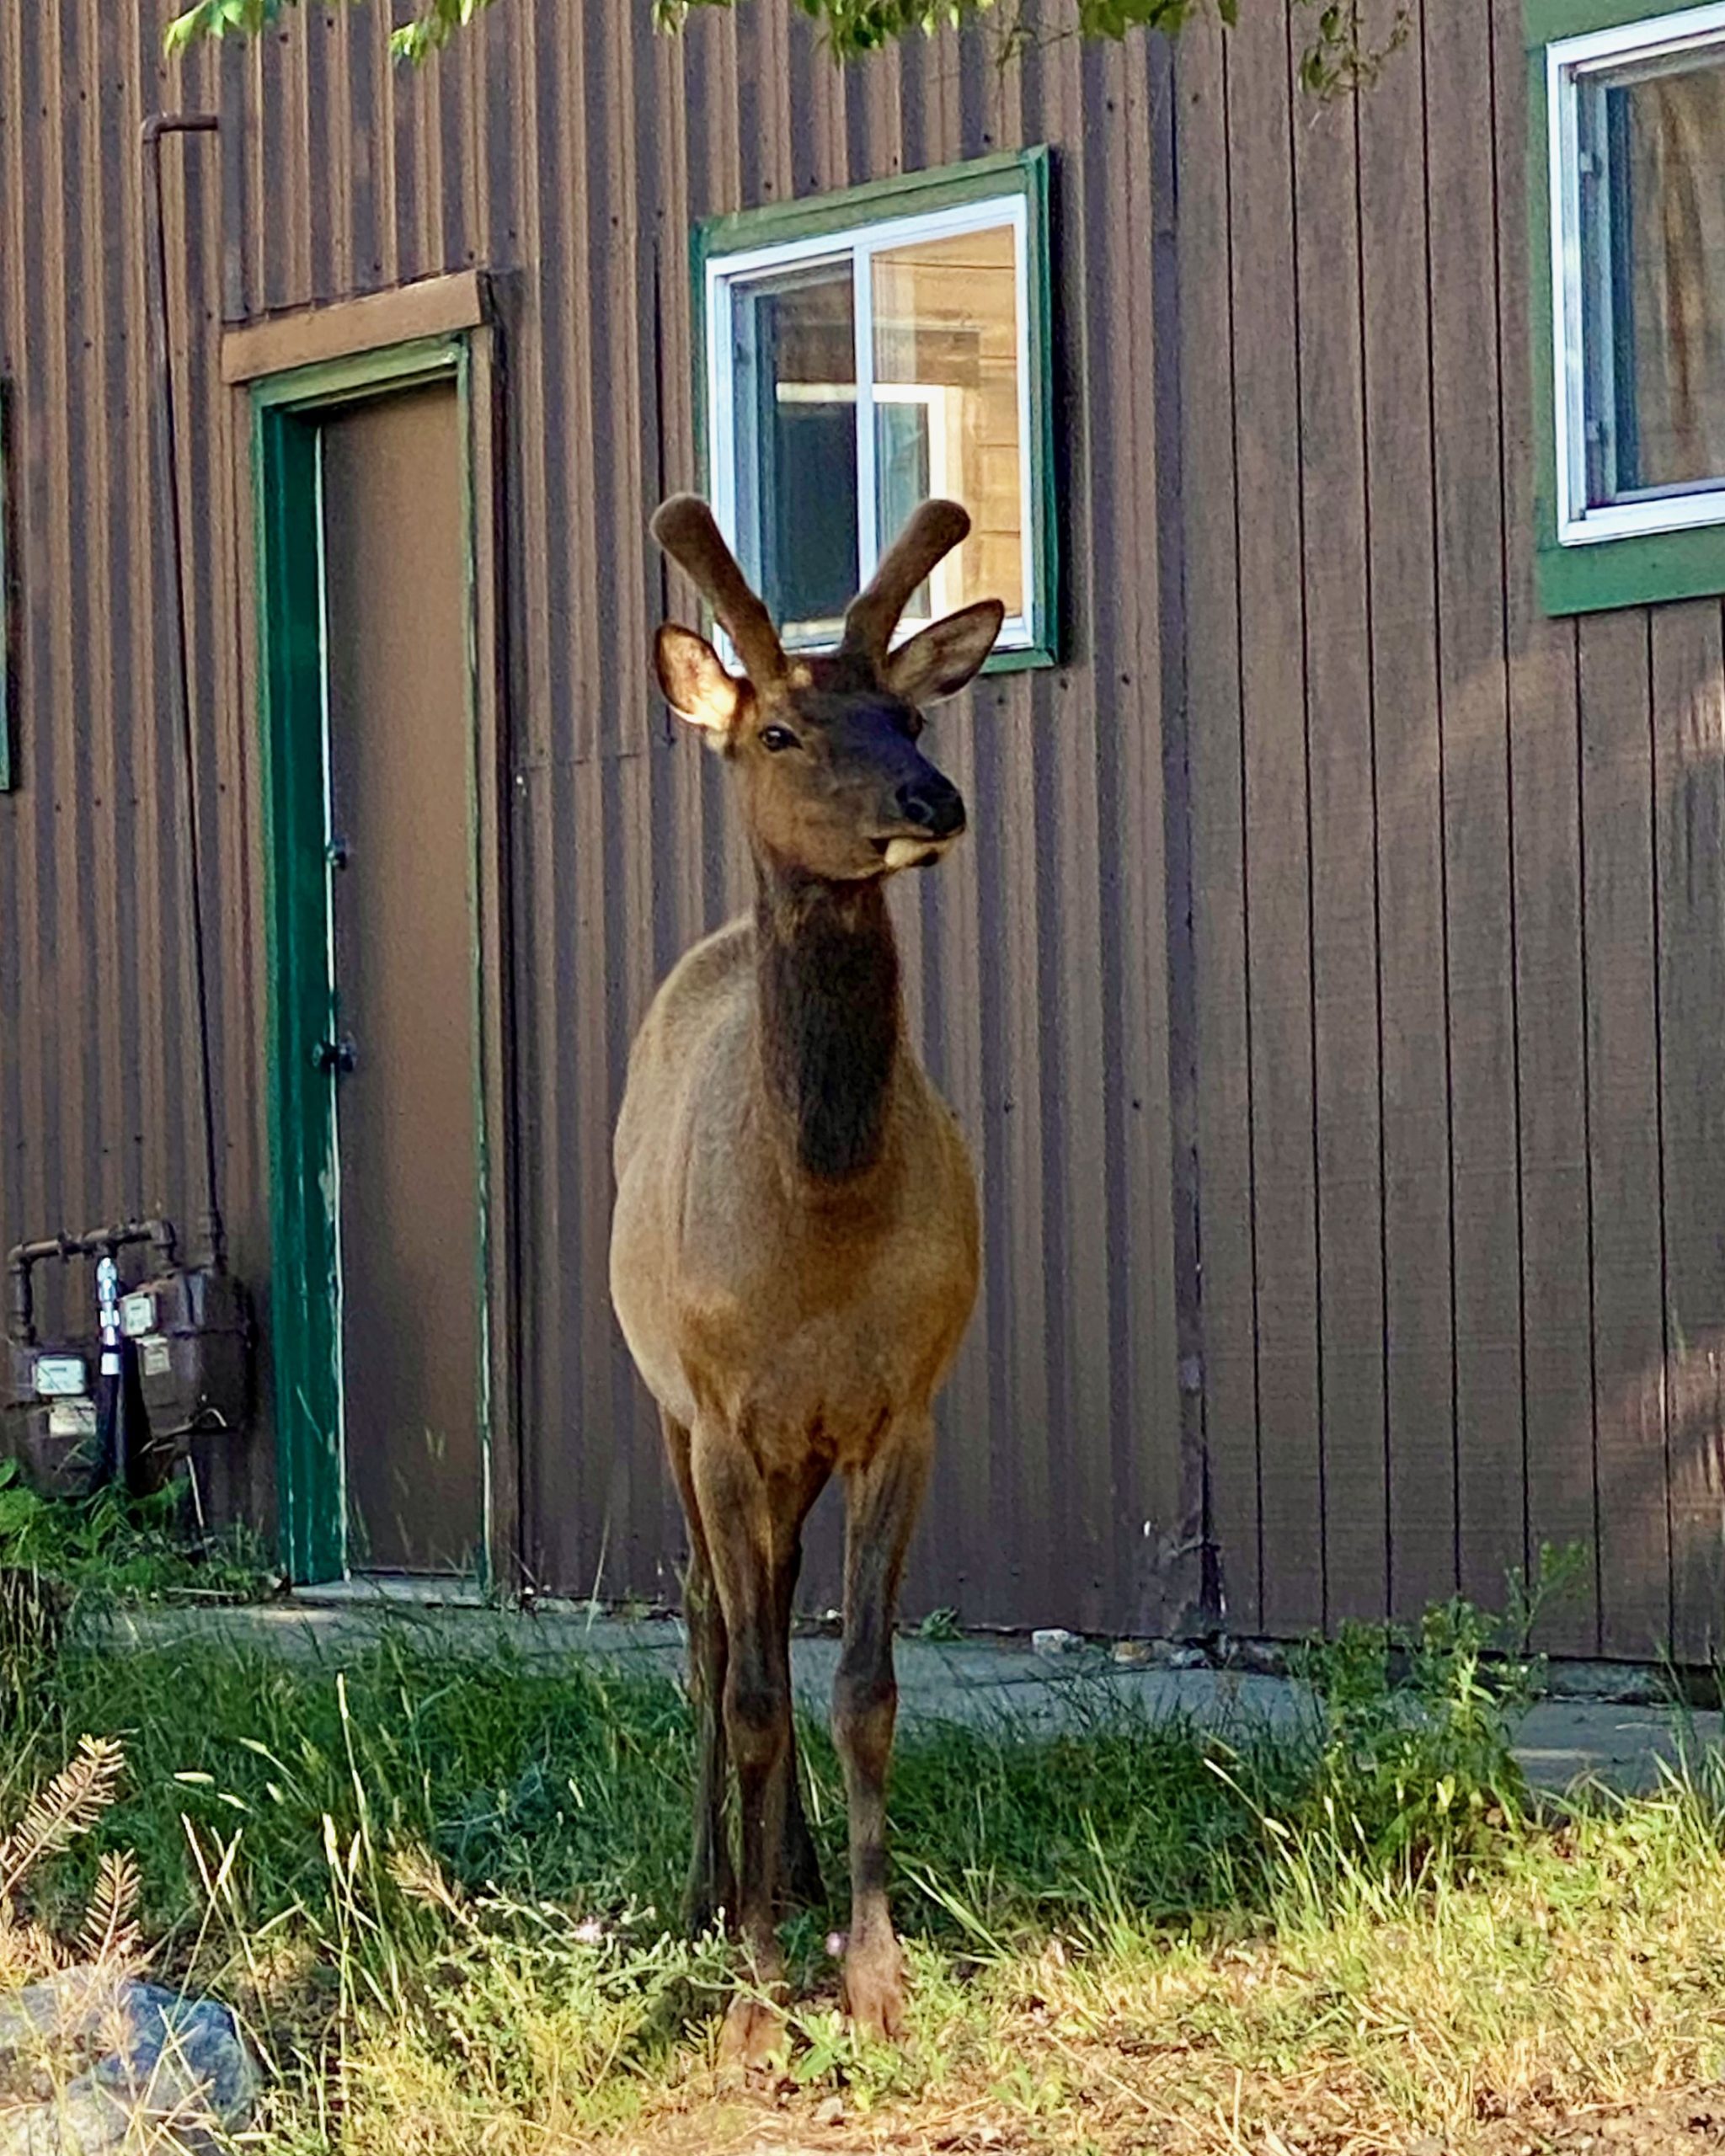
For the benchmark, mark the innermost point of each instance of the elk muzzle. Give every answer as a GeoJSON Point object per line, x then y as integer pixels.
{"type": "Point", "coordinates": [929, 816]}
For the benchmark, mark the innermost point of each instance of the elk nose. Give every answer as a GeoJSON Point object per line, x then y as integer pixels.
{"type": "Point", "coordinates": [933, 804]}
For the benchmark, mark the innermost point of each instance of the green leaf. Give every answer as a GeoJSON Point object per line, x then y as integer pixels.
{"type": "Point", "coordinates": [1345, 52]}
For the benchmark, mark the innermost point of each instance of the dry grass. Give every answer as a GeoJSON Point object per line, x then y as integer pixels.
{"type": "Point", "coordinates": [1489, 2013]}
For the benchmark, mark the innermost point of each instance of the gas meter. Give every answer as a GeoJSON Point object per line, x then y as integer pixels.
{"type": "Point", "coordinates": [51, 1419]}
{"type": "Point", "coordinates": [52, 1423]}
{"type": "Point", "coordinates": [192, 1333]}
{"type": "Point", "coordinates": [181, 1339]}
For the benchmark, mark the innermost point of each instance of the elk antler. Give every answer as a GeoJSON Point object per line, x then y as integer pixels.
{"type": "Point", "coordinates": [933, 533]}
{"type": "Point", "coordinates": [685, 528]}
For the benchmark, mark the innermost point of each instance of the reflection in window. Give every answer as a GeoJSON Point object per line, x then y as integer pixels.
{"type": "Point", "coordinates": [946, 376]}
{"type": "Point", "coordinates": [1654, 234]}
{"type": "Point", "coordinates": [796, 405]}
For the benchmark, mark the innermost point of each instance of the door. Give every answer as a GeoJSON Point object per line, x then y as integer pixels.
{"type": "Point", "coordinates": [406, 1112]}
{"type": "Point", "coordinates": [377, 1296]}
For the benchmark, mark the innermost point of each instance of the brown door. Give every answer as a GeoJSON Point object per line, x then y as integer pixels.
{"type": "Point", "coordinates": [407, 1109]}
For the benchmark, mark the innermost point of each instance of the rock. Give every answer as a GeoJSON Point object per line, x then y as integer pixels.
{"type": "Point", "coordinates": [1257, 1657]}
{"type": "Point", "coordinates": [830, 2112]}
{"type": "Point", "coordinates": [91, 2060]}
{"type": "Point", "coordinates": [1053, 1645]}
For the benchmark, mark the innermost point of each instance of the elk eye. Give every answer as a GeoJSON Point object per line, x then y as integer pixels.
{"type": "Point", "coordinates": [776, 738]}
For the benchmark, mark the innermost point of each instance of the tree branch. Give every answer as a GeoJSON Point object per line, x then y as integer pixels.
{"type": "Point", "coordinates": [1343, 51]}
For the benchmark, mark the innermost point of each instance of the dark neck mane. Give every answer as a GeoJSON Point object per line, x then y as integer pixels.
{"type": "Point", "coordinates": [827, 979]}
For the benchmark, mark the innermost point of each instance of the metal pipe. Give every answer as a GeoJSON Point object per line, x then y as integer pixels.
{"type": "Point", "coordinates": [22, 1258]}
{"type": "Point", "coordinates": [158, 125]}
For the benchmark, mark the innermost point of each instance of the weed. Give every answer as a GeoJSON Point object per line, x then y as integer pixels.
{"type": "Point", "coordinates": [62, 1810]}
{"type": "Point", "coordinates": [33, 1613]}
{"type": "Point", "coordinates": [110, 1547]}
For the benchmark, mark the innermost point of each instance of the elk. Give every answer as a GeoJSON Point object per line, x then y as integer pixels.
{"type": "Point", "coordinates": [795, 1245]}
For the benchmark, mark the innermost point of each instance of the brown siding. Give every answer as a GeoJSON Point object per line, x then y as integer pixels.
{"type": "Point", "coordinates": [565, 150]}
{"type": "Point", "coordinates": [1457, 937]}
{"type": "Point", "coordinates": [97, 1058]}
{"type": "Point", "coordinates": [1459, 896]}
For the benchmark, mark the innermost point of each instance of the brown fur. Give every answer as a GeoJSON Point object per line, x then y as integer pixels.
{"type": "Point", "coordinates": [795, 1246]}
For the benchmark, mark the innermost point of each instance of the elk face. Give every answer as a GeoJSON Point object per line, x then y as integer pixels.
{"type": "Point", "coordinates": [834, 782]}
{"type": "Point", "coordinates": [825, 748]}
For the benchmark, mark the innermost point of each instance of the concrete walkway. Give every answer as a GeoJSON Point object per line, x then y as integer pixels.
{"type": "Point", "coordinates": [981, 1682]}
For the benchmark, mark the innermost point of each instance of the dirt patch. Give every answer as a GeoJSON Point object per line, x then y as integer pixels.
{"type": "Point", "coordinates": [1316, 2122]}
{"type": "Point", "coordinates": [794, 2123]}
{"type": "Point", "coordinates": [1683, 2122]}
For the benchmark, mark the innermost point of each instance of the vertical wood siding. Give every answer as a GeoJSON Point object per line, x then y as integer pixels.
{"type": "Point", "coordinates": [1446, 1051]}
{"type": "Point", "coordinates": [1460, 897]}
{"type": "Point", "coordinates": [565, 150]}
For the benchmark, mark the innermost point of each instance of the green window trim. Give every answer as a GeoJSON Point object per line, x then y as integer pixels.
{"type": "Point", "coordinates": [1638, 569]}
{"type": "Point", "coordinates": [1022, 172]}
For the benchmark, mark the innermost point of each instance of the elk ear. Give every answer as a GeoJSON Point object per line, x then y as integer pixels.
{"type": "Point", "coordinates": [938, 660]}
{"type": "Point", "coordinates": [695, 683]}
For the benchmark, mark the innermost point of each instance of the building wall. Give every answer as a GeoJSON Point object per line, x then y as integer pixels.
{"type": "Point", "coordinates": [1441, 1050]}
{"type": "Point", "coordinates": [565, 151]}
{"type": "Point", "coordinates": [1460, 924]}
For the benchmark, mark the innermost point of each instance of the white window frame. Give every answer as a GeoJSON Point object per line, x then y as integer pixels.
{"type": "Point", "coordinates": [860, 244]}
{"type": "Point", "coordinates": [1570, 62]}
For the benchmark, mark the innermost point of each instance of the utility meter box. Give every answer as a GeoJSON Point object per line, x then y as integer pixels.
{"type": "Point", "coordinates": [192, 1331]}
{"type": "Point", "coordinates": [51, 1418]}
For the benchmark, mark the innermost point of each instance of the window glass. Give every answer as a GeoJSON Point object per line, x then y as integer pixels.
{"type": "Point", "coordinates": [1653, 202]}
{"type": "Point", "coordinates": [947, 406]}
{"type": "Point", "coordinates": [795, 345]}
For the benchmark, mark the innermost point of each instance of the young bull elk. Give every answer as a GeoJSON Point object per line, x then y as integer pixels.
{"type": "Point", "coordinates": [794, 1248]}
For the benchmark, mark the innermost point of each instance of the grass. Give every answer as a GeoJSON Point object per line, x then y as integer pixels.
{"type": "Point", "coordinates": [109, 1548]}
{"type": "Point", "coordinates": [440, 1891]}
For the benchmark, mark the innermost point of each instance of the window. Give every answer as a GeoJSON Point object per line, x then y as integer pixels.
{"type": "Point", "coordinates": [870, 348]}
{"type": "Point", "coordinates": [1630, 115]}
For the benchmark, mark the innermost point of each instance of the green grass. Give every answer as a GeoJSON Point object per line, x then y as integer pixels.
{"type": "Point", "coordinates": [441, 1890]}
{"type": "Point", "coordinates": [108, 1548]}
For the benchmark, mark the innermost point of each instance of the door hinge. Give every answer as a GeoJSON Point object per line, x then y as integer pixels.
{"type": "Point", "coordinates": [335, 1056]}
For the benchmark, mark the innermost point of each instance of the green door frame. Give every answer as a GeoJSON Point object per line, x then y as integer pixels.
{"type": "Point", "coordinates": [306, 1273]}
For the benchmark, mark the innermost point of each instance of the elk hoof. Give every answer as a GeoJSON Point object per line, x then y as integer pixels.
{"type": "Point", "coordinates": [709, 1895]}
{"type": "Point", "coordinates": [754, 2040]}
{"type": "Point", "coordinates": [875, 1990]}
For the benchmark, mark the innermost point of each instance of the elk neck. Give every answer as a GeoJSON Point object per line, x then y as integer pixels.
{"type": "Point", "coordinates": [826, 970]}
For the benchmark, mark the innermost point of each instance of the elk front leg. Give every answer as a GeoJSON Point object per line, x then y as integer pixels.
{"type": "Point", "coordinates": [712, 1888]}
{"type": "Point", "coordinates": [740, 1509]}
{"type": "Point", "coordinates": [882, 1501]}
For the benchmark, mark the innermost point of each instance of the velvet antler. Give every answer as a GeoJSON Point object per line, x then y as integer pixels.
{"type": "Point", "coordinates": [933, 533]}
{"type": "Point", "coordinates": [685, 528]}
